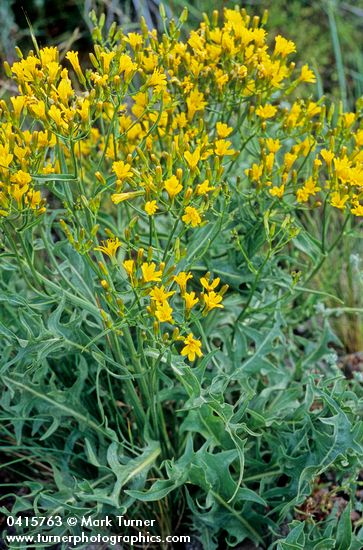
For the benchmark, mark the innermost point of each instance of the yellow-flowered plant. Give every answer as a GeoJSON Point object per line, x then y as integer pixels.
{"type": "Point", "coordinates": [137, 163]}
{"type": "Point", "coordinates": [146, 127]}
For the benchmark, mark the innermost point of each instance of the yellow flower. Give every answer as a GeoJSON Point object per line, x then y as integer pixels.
{"type": "Point", "coordinates": [342, 167]}
{"type": "Point", "coordinates": [191, 216]}
{"type": "Point", "coordinates": [163, 312]}
{"type": "Point", "coordinates": [269, 162]}
{"type": "Point", "coordinates": [223, 130]}
{"type": "Point", "coordinates": [34, 199]}
{"type": "Point", "coordinates": [26, 69]}
{"type": "Point", "coordinates": [357, 210]}
{"type": "Point", "coordinates": [309, 188]}
{"type": "Point", "coordinates": [159, 294]}
{"type": "Point", "coordinates": [150, 207]}
{"type": "Point", "coordinates": [313, 109]}
{"type": "Point", "coordinates": [192, 158]}
{"type": "Point", "coordinates": [56, 115]}
{"type": "Point", "coordinates": [289, 160]}
{"type": "Point", "coordinates": [19, 103]}
{"type": "Point", "coordinates": [84, 109]}
{"type": "Point", "coordinates": [126, 65]}
{"type": "Point", "coordinates": [149, 272]}
{"type": "Point", "coordinates": [204, 188]}
{"type": "Point", "coordinates": [5, 156]}
{"type": "Point", "coordinates": [307, 75]}
{"type": "Point", "coordinates": [338, 201]}
{"type": "Point", "coordinates": [273, 145]}
{"type": "Point", "coordinates": [209, 285]}
{"type": "Point", "coordinates": [158, 81]}
{"type": "Point", "coordinates": [173, 187]}
{"type": "Point", "coordinates": [18, 191]}
{"type": "Point", "coordinates": [129, 266]}
{"type": "Point", "coordinates": [192, 347]}
{"type": "Point", "coordinates": [65, 90]}
{"type": "Point", "coordinates": [222, 148]}
{"type": "Point", "coordinates": [190, 300]}
{"type": "Point", "coordinates": [122, 170]}
{"type": "Point", "coordinates": [266, 111]}
{"type": "Point", "coordinates": [181, 279]}
{"type": "Point", "coordinates": [53, 68]}
{"type": "Point", "coordinates": [21, 178]}
{"type": "Point", "coordinates": [359, 138]}
{"type": "Point", "coordinates": [110, 247]}
{"type": "Point", "coordinates": [212, 300]}
{"type": "Point", "coordinates": [48, 55]}
{"type": "Point", "coordinates": [283, 47]}
{"type": "Point", "coordinates": [328, 156]}
{"type": "Point", "coordinates": [107, 57]}
{"type": "Point", "coordinates": [277, 191]}
{"type": "Point", "coordinates": [38, 109]}
{"type": "Point", "coordinates": [349, 119]}
{"type": "Point", "coordinates": [195, 102]}
{"type": "Point", "coordinates": [135, 40]}
{"type": "Point", "coordinates": [74, 61]}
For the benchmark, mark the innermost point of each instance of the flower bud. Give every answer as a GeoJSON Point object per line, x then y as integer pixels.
{"type": "Point", "coordinates": [105, 284]}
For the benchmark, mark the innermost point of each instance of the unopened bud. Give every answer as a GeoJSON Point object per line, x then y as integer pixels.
{"type": "Point", "coordinates": [105, 284]}
{"type": "Point", "coordinates": [100, 178]}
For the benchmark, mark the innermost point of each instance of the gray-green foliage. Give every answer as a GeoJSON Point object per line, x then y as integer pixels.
{"type": "Point", "coordinates": [252, 428]}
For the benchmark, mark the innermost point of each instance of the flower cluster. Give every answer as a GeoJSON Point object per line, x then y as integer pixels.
{"type": "Point", "coordinates": [151, 140]}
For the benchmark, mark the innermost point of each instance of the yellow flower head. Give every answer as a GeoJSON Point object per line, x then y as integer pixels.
{"type": "Point", "coordinates": [328, 156]}
{"type": "Point", "coordinates": [122, 170]}
{"type": "Point", "coordinates": [107, 57]}
{"type": "Point", "coordinates": [307, 75]}
{"type": "Point", "coordinates": [342, 167]}
{"type": "Point", "coordinates": [159, 294]}
{"type": "Point", "coordinates": [158, 81]}
{"type": "Point", "coordinates": [195, 102]}
{"type": "Point", "coordinates": [191, 216]}
{"type": "Point", "coordinates": [129, 266]}
{"type": "Point", "coordinates": [338, 201]}
{"type": "Point", "coordinates": [190, 300]}
{"type": "Point", "coordinates": [192, 158]}
{"type": "Point", "coordinates": [74, 61]}
{"type": "Point", "coordinates": [357, 210]}
{"type": "Point", "coordinates": [109, 247]}
{"type": "Point", "coordinates": [283, 47]}
{"type": "Point", "coordinates": [181, 279]}
{"type": "Point", "coordinates": [277, 191]}
{"type": "Point", "coordinates": [19, 103]}
{"type": "Point", "coordinates": [48, 55]}
{"type": "Point", "coordinates": [173, 187]}
{"type": "Point", "coordinates": [223, 130]}
{"type": "Point", "coordinates": [126, 65]}
{"type": "Point", "coordinates": [204, 188]}
{"type": "Point", "coordinates": [209, 285]}
{"type": "Point", "coordinates": [149, 272]}
{"type": "Point", "coordinates": [192, 347]}
{"type": "Point", "coordinates": [273, 145]}
{"type": "Point", "coordinates": [21, 178]}
{"type": "Point", "coordinates": [135, 40]}
{"type": "Point", "coordinates": [18, 191]}
{"type": "Point", "coordinates": [150, 207]}
{"type": "Point", "coordinates": [212, 300]}
{"type": "Point", "coordinates": [222, 148]}
{"type": "Point", "coordinates": [163, 312]}
{"type": "Point", "coordinates": [313, 109]}
{"type": "Point", "coordinates": [266, 111]}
